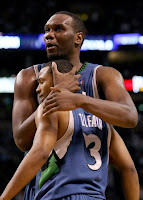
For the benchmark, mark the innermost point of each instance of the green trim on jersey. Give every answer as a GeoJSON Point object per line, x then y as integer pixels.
{"type": "Point", "coordinates": [49, 172]}
{"type": "Point", "coordinates": [82, 68]}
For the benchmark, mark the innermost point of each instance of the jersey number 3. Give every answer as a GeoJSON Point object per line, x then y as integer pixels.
{"type": "Point", "coordinates": [94, 152]}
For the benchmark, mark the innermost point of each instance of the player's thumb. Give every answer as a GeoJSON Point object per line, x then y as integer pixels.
{"type": "Point", "coordinates": [73, 70]}
{"type": "Point", "coordinates": [54, 68]}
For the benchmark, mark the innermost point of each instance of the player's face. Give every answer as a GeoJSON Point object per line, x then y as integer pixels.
{"type": "Point", "coordinates": [45, 82]}
{"type": "Point", "coordinates": [59, 37]}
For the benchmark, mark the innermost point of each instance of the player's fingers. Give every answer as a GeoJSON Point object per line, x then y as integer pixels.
{"type": "Point", "coordinates": [77, 76]}
{"type": "Point", "coordinates": [77, 88]}
{"type": "Point", "coordinates": [49, 97]}
{"type": "Point", "coordinates": [50, 111]}
{"type": "Point", "coordinates": [47, 102]}
{"type": "Point", "coordinates": [49, 106]}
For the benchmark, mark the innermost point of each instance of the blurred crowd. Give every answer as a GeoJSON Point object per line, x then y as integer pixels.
{"type": "Point", "coordinates": [100, 17]}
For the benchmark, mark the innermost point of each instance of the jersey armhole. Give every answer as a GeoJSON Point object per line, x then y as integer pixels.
{"type": "Point", "coordinates": [94, 83]}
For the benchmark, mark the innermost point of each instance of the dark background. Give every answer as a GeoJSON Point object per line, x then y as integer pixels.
{"type": "Point", "coordinates": [100, 17]}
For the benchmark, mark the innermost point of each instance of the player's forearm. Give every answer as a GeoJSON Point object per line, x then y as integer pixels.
{"type": "Point", "coordinates": [130, 184]}
{"type": "Point", "coordinates": [26, 171]}
{"type": "Point", "coordinates": [117, 114]}
{"type": "Point", "coordinates": [24, 133]}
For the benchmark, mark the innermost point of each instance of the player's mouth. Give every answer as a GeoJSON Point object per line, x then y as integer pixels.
{"type": "Point", "coordinates": [50, 47]}
{"type": "Point", "coordinates": [41, 97]}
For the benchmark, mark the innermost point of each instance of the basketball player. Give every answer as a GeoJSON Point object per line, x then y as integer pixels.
{"type": "Point", "coordinates": [64, 36]}
{"type": "Point", "coordinates": [78, 144]}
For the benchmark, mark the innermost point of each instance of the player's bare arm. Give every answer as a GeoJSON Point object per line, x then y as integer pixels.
{"type": "Point", "coordinates": [44, 141]}
{"type": "Point", "coordinates": [111, 82]}
{"type": "Point", "coordinates": [122, 161]}
{"type": "Point", "coordinates": [118, 109]}
{"type": "Point", "coordinates": [24, 106]}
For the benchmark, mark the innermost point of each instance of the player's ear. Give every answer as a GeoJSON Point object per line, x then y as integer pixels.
{"type": "Point", "coordinates": [78, 38]}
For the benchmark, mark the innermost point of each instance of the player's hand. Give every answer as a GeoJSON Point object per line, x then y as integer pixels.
{"type": "Point", "coordinates": [67, 80]}
{"type": "Point", "coordinates": [60, 100]}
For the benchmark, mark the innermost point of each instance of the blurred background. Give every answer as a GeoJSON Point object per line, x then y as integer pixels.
{"type": "Point", "coordinates": [114, 38]}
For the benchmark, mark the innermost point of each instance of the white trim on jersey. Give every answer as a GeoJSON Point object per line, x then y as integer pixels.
{"type": "Point", "coordinates": [94, 85]}
{"type": "Point", "coordinates": [96, 95]}
{"type": "Point", "coordinates": [62, 144]}
{"type": "Point", "coordinates": [36, 71]}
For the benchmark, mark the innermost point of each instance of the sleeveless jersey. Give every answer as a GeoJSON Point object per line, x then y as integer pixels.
{"type": "Point", "coordinates": [79, 162]}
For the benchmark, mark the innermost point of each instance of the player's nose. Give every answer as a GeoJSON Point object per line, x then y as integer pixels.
{"type": "Point", "coordinates": [38, 89]}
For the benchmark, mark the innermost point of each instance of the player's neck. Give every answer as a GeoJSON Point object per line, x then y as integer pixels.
{"type": "Point", "coordinates": [76, 63]}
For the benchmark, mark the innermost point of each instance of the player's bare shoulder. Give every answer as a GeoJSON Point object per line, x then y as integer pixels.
{"type": "Point", "coordinates": [107, 73]}
{"type": "Point", "coordinates": [27, 74]}
{"type": "Point", "coordinates": [25, 81]}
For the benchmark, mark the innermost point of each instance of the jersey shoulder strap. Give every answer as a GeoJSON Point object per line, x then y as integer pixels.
{"type": "Point", "coordinates": [37, 69]}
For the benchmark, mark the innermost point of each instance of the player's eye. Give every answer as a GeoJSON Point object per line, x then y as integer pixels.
{"type": "Point", "coordinates": [59, 28]}
{"type": "Point", "coordinates": [41, 81]}
{"type": "Point", "coordinates": [47, 30]}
